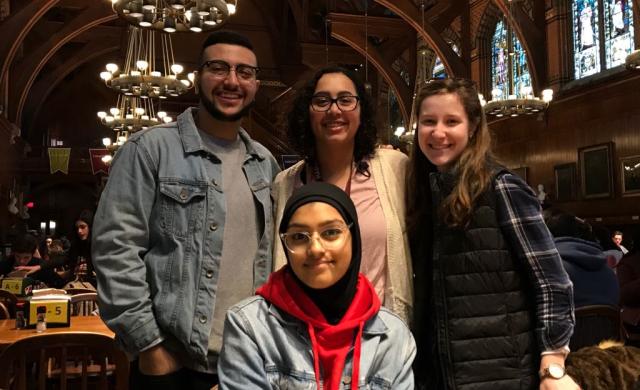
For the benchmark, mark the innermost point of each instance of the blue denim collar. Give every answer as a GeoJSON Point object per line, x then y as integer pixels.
{"type": "Point", "coordinates": [192, 142]}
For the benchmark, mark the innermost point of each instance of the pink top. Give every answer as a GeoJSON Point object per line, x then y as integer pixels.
{"type": "Point", "coordinates": [373, 229]}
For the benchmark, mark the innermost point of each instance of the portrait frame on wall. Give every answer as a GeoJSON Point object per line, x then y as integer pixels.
{"type": "Point", "coordinates": [566, 182]}
{"type": "Point", "coordinates": [630, 175]}
{"type": "Point", "coordinates": [595, 164]}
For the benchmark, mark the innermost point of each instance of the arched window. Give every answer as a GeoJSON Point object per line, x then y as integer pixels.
{"type": "Point", "coordinates": [602, 35]}
{"type": "Point", "coordinates": [510, 72]}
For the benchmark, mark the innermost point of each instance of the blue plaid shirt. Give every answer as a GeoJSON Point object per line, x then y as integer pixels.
{"type": "Point", "coordinates": [520, 219]}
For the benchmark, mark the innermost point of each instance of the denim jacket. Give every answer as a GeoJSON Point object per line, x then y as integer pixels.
{"type": "Point", "coordinates": [266, 348]}
{"type": "Point", "coordinates": [157, 237]}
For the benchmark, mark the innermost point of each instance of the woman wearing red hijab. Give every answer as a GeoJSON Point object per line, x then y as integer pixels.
{"type": "Point", "coordinates": [317, 322]}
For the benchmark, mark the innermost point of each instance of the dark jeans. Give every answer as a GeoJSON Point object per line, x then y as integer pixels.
{"type": "Point", "coordinates": [179, 380]}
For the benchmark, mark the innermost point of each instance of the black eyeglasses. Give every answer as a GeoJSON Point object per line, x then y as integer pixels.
{"type": "Point", "coordinates": [322, 103]}
{"type": "Point", "coordinates": [221, 69]}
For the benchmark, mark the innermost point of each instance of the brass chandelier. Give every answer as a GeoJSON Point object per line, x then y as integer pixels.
{"type": "Point", "coordinates": [176, 15]}
{"type": "Point", "coordinates": [524, 103]}
{"type": "Point", "coordinates": [130, 114]}
{"type": "Point", "coordinates": [148, 73]}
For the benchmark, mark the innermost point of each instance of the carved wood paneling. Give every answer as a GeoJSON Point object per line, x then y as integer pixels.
{"type": "Point", "coordinates": [583, 117]}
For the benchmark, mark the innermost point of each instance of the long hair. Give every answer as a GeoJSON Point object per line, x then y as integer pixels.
{"type": "Point", "coordinates": [473, 167]}
{"type": "Point", "coordinates": [299, 130]}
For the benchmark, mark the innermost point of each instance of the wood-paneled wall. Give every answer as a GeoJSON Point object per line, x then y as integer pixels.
{"type": "Point", "coordinates": [603, 111]}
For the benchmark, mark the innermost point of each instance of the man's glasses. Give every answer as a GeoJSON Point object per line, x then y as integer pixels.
{"type": "Point", "coordinates": [323, 103]}
{"type": "Point", "coordinates": [220, 69]}
{"type": "Point", "coordinates": [331, 238]}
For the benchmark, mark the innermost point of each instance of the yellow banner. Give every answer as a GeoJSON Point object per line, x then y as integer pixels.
{"type": "Point", "coordinates": [59, 160]}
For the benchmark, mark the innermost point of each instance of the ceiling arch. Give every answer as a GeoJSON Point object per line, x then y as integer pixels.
{"type": "Point", "coordinates": [31, 65]}
{"type": "Point", "coordinates": [43, 88]}
{"type": "Point", "coordinates": [17, 27]}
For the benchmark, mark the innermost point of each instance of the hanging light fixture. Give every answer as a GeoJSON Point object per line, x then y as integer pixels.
{"type": "Point", "coordinates": [523, 103]}
{"type": "Point", "coordinates": [515, 102]}
{"type": "Point", "coordinates": [130, 114]}
{"type": "Point", "coordinates": [632, 62]}
{"type": "Point", "coordinates": [406, 135]}
{"type": "Point", "coordinates": [367, 85]}
{"type": "Point", "coordinates": [176, 15]}
{"type": "Point", "coordinates": [145, 75]}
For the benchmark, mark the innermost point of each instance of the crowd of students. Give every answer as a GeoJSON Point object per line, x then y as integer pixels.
{"type": "Point", "coordinates": [53, 262]}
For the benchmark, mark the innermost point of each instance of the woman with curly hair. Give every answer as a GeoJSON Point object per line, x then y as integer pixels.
{"type": "Point", "coordinates": [494, 306]}
{"type": "Point", "coordinates": [332, 126]}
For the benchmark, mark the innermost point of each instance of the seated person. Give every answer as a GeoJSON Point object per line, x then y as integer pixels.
{"type": "Point", "coordinates": [594, 282]}
{"type": "Point", "coordinates": [23, 259]}
{"type": "Point", "coordinates": [629, 279]}
{"type": "Point", "coordinates": [299, 330]}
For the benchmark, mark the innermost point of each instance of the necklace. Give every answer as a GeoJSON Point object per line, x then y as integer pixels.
{"type": "Point", "coordinates": [317, 176]}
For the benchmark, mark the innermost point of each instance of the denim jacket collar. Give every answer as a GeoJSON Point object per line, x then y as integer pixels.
{"type": "Point", "coordinates": [374, 326]}
{"type": "Point", "coordinates": [192, 142]}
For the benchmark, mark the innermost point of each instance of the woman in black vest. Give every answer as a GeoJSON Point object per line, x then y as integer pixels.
{"type": "Point", "coordinates": [494, 307]}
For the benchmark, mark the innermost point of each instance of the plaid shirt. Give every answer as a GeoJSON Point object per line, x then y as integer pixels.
{"type": "Point", "coordinates": [520, 218]}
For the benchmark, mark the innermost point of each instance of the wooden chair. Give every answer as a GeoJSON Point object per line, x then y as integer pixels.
{"type": "Point", "coordinates": [4, 312]}
{"type": "Point", "coordinates": [9, 300]}
{"type": "Point", "coordinates": [594, 324]}
{"type": "Point", "coordinates": [75, 291]}
{"type": "Point", "coordinates": [78, 360]}
{"type": "Point", "coordinates": [84, 304]}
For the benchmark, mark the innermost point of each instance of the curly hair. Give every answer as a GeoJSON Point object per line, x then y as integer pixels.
{"type": "Point", "coordinates": [474, 165]}
{"type": "Point", "coordinates": [299, 130]}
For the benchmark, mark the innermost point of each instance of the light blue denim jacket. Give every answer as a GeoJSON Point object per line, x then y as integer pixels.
{"type": "Point", "coordinates": [266, 348]}
{"type": "Point", "coordinates": [157, 237]}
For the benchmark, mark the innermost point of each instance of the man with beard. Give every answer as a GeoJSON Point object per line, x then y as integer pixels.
{"type": "Point", "coordinates": [182, 230]}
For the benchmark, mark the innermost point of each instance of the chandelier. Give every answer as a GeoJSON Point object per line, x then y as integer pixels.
{"type": "Point", "coordinates": [144, 74]}
{"type": "Point", "coordinates": [514, 105]}
{"type": "Point", "coordinates": [632, 62]}
{"type": "Point", "coordinates": [176, 15]}
{"type": "Point", "coordinates": [130, 114]}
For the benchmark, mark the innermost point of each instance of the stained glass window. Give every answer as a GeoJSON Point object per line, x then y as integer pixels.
{"type": "Point", "coordinates": [618, 31]}
{"type": "Point", "coordinates": [519, 68]}
{"type": "Point", "coordinates": [593, 20]}
{"type": "Point", "coordinates": [586, 44]}
{"type": "Point", "coordinates": [500, 60]}
{"type": "Point", "coordinates": [439, 71]}
{"type": "Point", "coordinates": [510, 72]}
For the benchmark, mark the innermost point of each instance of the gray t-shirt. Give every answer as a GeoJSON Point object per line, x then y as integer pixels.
{"type": "Point", "coordinates": [240, 236]}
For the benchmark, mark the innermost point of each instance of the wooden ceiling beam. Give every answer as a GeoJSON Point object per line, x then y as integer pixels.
{"type": "Point", "coordinates": [392, 31]}
{"type": "Point", "coordinates": [98, 32]}
{"type": "Point", "coordinates": [446, 16]}
{"type": "Point", "coordinates": [314, 55]}
{"type": "Point", "coordinates": [298, 17]}
{"type": "Point", "coordinates": [350, 30]}
{"type": "Point", "coordinates": [94, 15]}
{"type": "Point", "coordinates": [532, 38]}
{"type": "Point", "coordinates": [16, 28]}
{"type": "Point", "coordinates": [408, 11]}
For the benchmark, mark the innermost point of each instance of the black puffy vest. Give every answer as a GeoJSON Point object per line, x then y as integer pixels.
{"type": "Point", "coordinates": [482, 320]}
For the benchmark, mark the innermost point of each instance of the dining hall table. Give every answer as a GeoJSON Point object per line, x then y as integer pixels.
{"type": "Point", "coordinates": [91, 324]}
